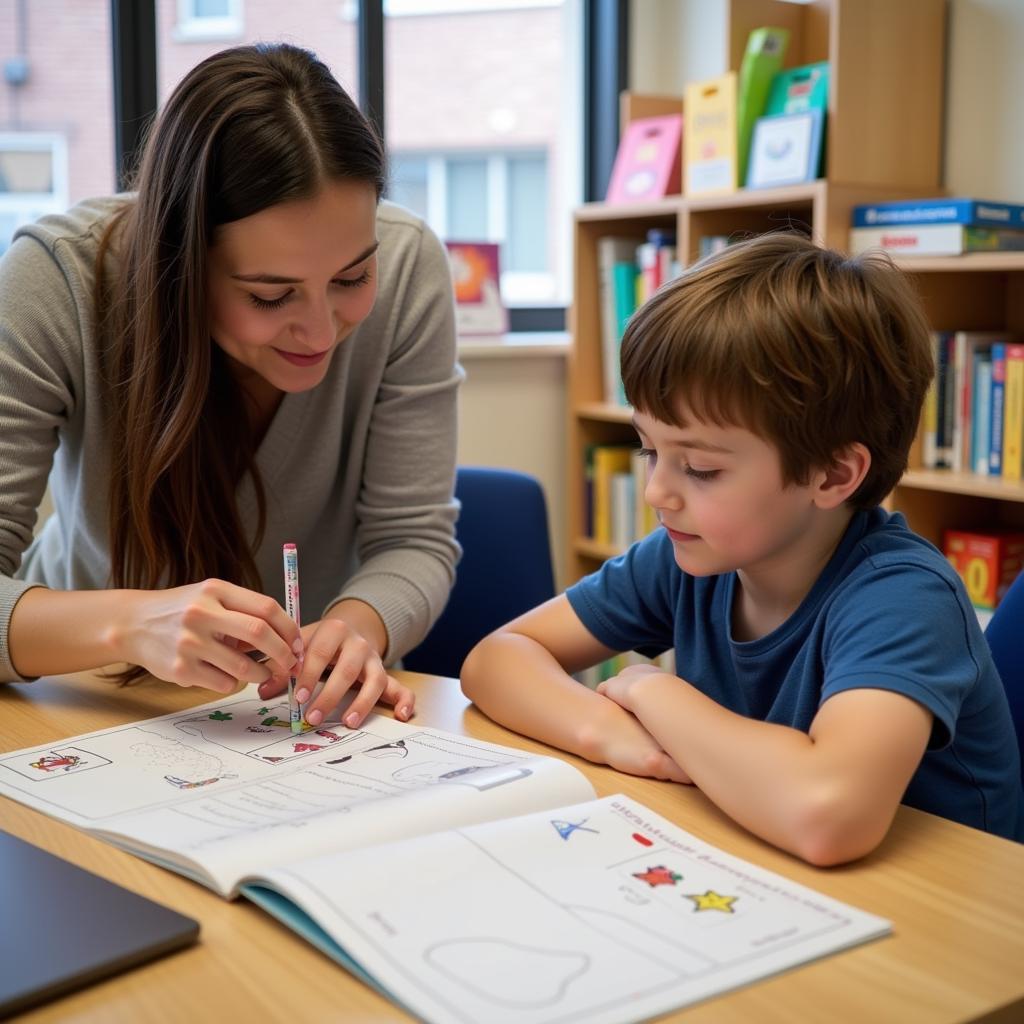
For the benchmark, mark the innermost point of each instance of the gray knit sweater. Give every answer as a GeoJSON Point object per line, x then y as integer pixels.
{"type": "Point", "coordinates": [358, 472]}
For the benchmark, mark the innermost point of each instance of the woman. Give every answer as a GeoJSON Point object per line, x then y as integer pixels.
{"type": "Point", "coordinates": [248, 351]}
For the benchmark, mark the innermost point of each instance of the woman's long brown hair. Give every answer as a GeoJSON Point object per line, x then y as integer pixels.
{"type": "Point", "coordinates": [246, 129]}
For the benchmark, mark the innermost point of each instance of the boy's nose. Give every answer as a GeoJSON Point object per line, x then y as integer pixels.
{"type": "Point", "coordinates": [657, 495]}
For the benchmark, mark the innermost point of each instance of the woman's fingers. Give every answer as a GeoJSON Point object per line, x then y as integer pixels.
{"type": "Point", "coordinates": [400, 697]}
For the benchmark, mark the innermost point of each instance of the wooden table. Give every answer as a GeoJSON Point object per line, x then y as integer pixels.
{"type": "Point", "coordinates": [955, 896]}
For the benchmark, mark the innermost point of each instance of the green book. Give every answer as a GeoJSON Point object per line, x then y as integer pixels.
{"type": "Point", "coordinates": [766, 49]}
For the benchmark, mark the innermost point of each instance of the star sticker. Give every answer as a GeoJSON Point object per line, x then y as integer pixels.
{"type": "Point", "coordinates": [711, 900]}
{"type": "Point", "coordinates": [658, 876]}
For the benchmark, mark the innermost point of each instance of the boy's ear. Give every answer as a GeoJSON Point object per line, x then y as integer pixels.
{"type": "Point", "coordinates": [849, 467]}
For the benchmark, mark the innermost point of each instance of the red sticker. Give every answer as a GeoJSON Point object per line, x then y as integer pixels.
{"type": "Point", "coordinates": [643, 840]}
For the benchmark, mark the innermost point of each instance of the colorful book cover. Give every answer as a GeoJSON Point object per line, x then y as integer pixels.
{"type": "Point", "coordinates": [965, 345]}
{"type": "Point", "coordinates": [980, 212]}
{"type": "Point", "coordinates": [995, 446]}
{"type": "Point", "coordinates": [946, 401]}
{"type": "Point", "coordinates": [930, 413]}
{"type": "Point", "coordinates": [936, 239]}
{"type": "Point", "coordinates": [649, 160]}
{"type": "Point", "coordinates": [1013, 414]}
{"type": "Point", "coordinates": [981, 412]}
{"type": "Point", "coordinates": [762, 60]}
{"type": "Point", "coordinates": [624, 278]}
{"type": "Point", "coordinates": [709, 142]}
{"type": "Point", "coordinates": [611, 251]}
{"type": "Point", "coordinates": [477, 279]}
{"type": "Point", "coordinates": [608, 460]}
{"type": "Point", "coordinates": [795, 90]}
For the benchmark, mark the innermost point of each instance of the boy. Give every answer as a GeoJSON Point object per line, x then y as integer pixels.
{"type": "Point", "coordinates": [828, 662]}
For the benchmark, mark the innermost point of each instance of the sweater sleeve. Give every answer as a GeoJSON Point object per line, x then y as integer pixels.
{"type": "Point", "coordinates": [37, 332]}
{"type": "Point", "coordinates": [406, 511]}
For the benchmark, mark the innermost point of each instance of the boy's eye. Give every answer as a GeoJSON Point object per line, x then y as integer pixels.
{"type": "Point", "coordinates": [702, 474]}
{"type": "Point", "coordinates": [646, 453]}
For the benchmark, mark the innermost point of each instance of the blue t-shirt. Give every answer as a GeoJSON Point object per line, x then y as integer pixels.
{"type": "Point", "coordinates": [888, 612]}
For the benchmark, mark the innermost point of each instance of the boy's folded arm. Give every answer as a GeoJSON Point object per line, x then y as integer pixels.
{"type": "Point", "coordinates": [520, 676]}
{"type": "Point", "coordinates": [828, 796]}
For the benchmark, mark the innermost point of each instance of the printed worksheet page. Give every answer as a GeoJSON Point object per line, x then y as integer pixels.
{"type": "Point", "coordinates": [227, 788]}
{"type": "Point", "coordinates": [601, 912]}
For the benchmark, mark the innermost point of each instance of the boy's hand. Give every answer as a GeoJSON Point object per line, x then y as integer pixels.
{"type": "Point", "coordinates": [623, 688]}
{"type": "Point", "coordinates": [617, 739]}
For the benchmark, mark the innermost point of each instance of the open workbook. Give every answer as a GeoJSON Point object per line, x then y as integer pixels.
{"type": "Point", "coordinates": [466, 881]}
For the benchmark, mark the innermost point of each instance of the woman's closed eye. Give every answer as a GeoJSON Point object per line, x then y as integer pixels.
{"type": "Point", "coordinates": [276, 303]}
{"type": "Point", "coordinates": [260, 303]}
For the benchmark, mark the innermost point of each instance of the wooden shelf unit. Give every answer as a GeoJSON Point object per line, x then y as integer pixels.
{"type": "Point", "coordinates": [891, 150]}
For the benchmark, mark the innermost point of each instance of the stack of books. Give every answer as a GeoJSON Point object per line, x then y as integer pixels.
{"type": "Point", "coordinates": [630, 271]}
{"type": "Point", "coordinates": [937, 227]}
{"type": "Point", "coordinates": [974, 410]}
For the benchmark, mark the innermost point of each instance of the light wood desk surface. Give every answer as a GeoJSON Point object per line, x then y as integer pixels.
{"type": "Point", "coordinates": [954, 895]}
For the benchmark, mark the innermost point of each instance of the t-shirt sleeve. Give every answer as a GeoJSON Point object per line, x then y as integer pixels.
{"type": "Point", "coordinates": [904, 628]}
{"type": "Point", "coordinates": [628, 604]}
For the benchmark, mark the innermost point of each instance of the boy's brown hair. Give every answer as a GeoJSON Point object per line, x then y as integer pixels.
{"type": "Point", "coordinates": [810, 349]}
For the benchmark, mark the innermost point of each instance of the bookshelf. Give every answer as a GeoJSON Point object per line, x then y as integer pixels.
{"type": "Point", "coordinates": [890, 151]}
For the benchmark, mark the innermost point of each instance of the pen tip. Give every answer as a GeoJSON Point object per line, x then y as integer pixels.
{"type": "Point", "coordinates": [296, 727]}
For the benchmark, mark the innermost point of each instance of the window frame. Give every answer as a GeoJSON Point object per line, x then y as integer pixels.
{"type": "Point", "coordinates": [28, 206]}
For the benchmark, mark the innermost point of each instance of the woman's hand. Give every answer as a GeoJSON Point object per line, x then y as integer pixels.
{"type": "Point", "coordinates": [352, 660]}
{"type": "Point", "coordinates": [615, 738]}
{"type": "Point", "coordinates": [196, 635]}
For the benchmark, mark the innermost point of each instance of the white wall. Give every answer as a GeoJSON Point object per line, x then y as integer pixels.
{"type": "Point", "coordinates": [678, 41]}
{"type": "Point", "coordinates": [673, 42]}
{"type": "Point", "coordinates": [512, 414]}
{"type": "Point", "coordinates": [984, 109]}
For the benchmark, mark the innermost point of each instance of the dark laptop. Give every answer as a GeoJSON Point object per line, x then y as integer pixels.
{"type": "Point", "coordinates": [62, 927]}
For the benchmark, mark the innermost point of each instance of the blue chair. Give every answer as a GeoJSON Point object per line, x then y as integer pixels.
{"type": "Point", "coordinates": [1004, 634]}
{"type": "Point", "coordinates": [505, 568]}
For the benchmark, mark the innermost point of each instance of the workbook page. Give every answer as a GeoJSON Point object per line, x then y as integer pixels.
{"type": "Point", "coordinates": [601, 912]}
{"type": "Point", "coordinates": [227, 788]}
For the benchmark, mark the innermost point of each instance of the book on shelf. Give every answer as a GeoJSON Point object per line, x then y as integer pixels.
{"type": "Point", "coordinates": [616, 512]}
{"type": "Point", "coordinates": [460, 879]}
{"type": "Point", "coordinates": [1013, 415]}
{"type": "Point", "coordinates": [969, 411]}
{"type": "Point", "coordinates": [981, 414]}
{"type": "Point", "coordinates": [648, 164]}
{"type": "Point", "coordinates": [476, 277]}
{"type": "Point", "coordinates": [997, 403]}
{"type": "Point", "coordinates": [656, 263]}
{"type": "Point", "coordinates": [629, 272]}
{"type": "Point", "coordinates": [608, 461]}
{"type": "Point", "coordinates": [762, 59]}
{"type": "Point", "coordinates": [936, 239]}
{"type": "Point", "coordinates": [616, 261]}
{"type": "Point", "coordinates": [968, 348]}
{"type": "Point", "coordinates": [975, 212]}
{"type": "Point", "coordinates": [987, 561]}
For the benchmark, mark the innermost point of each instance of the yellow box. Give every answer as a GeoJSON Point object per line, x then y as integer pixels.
{"type": "Point", "coordinates": [987, 562]}
{"type": "Point", "coordinates": [709, 137]}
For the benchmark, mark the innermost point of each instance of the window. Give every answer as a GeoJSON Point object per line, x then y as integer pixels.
{"type": "Point", "coordinates": [484, 129]}
{"type": "Point", "coordinates": [208, 19]}
{"type": "Point", "coordinates": [57, 137]}
{"type": "Point", "coordinates": [189, 31]}
{"type": "Point", "coordinates": [33, 179]}
{"type": "Point", "coordinates": [492, 197]}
